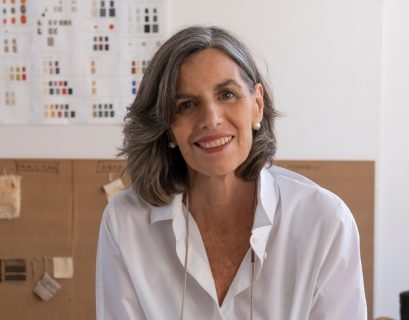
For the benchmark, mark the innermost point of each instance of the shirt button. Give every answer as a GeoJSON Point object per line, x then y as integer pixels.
{"type": "Point", "coordinates": [255, 239]}
{"type": "Point", "coordinates": [265, 255]}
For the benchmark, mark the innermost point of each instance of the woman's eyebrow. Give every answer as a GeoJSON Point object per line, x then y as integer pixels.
{"type": "Point", "coordinates": [184, 96]}
{"type": "Point", "coordinates": [226, 83]}
{"type": "Point", "coordinates": [217, 87]}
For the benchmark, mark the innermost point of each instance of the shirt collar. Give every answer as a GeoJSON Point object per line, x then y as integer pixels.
{"type": "Point", "coordinates": [267, 196]}
{"type": "Point", "coordinates": [266, 199]}
{"type": "Point", "coordinates": [167, 212]}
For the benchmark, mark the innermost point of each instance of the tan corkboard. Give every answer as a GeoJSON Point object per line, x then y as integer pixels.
{"type": "Point", "coordinates": [89, 204]}
{"type": "Point", "coordinates": [354, 182]}
{"type": "Point", "coordinates": [62, 205]}
{"type": "Point", "coordinates": [44, 227]}
{"type": "Point", "coordinates": [61, 209]}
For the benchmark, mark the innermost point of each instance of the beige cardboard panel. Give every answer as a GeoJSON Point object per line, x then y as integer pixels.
{"type": "Point", "coordinates": [44, 227]}
{"type": "Point", "coordinates": [46, 209]}
{"type": "Point", "coordinates": [354, 182]}
{"type": "Point", "coordinates": [62, 206]}
{"type": "Point", "coordinates": [90, 202]}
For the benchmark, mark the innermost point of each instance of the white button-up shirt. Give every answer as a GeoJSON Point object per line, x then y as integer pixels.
{"type": "Point", "coordinates": [307, 259]}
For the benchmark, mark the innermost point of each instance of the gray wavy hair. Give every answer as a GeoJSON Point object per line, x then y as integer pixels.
{"type": "Point", "coordinates": [156, 171]}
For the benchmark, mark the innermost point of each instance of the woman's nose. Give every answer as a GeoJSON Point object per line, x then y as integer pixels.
{"type": "Point", "coordinates": [211, 115]}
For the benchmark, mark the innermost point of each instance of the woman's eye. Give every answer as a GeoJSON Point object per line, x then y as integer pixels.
{"type": "Point", "coordinates": [227, 95]}
{"type": "Point", "coordinates": [186, 105]}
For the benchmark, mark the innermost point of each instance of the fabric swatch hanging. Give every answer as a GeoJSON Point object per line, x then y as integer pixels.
{"type": "Point", "coordinates": [46, 287]}
{"type": "Point", "coordinates": [10, 196]}
{"type": "Point", "coordinates": [15, 270]}
{"type": "Point", "coordinates": [63, 267]}
{"type": "Point", "coordinates": [113, 187]}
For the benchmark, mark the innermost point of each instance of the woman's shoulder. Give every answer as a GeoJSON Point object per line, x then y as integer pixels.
{"type": "Point", "coordinates": [126, 206]}
{"type": "Point", "coordinates": [127, 198]}
{"type": "Point", "coordinates": [306, 197]}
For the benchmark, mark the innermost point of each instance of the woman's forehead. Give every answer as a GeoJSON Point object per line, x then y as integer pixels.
{"type": "Point", "coordinates": [207, 67]}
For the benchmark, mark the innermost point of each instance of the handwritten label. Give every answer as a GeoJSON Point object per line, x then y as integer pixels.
{"type": "Point", "coordinates": [110, 166]}
{"type": "Point", "coordinates": [34, 166]}
{"type": "Point", "coordinates": [303, 167]}
{"type": "Point", "coordinates": [7, 170]}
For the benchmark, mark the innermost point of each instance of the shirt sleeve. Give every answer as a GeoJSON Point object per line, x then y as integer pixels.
{"type": "Point", "coordinates": [339, 292]}
{"type": "Point", "coordinates": [115, 296]}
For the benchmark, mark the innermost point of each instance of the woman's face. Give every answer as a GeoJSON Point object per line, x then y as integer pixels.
{"type": "Point", "coordinates": [216, 112]}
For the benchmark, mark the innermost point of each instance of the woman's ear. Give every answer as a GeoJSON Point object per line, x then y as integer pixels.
{"type": "Point", "coordinates": [171, 135]}
{"type": "Point", "coordinates": [259, 102]}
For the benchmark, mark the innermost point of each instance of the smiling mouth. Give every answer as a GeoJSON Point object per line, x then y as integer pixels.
{"type": "Point", "coordinates": [214, 143]}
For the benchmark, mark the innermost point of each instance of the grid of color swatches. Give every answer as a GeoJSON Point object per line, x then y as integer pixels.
{"type": "Point", "coordinates": [13, 12]}
{"type": "Point", "coordinates": [10, 98]}
{"type": "Point", "coordinates": [138, 67]}
{"type": "Point", "coordinates": [10, 45]}
{"type": "Point", "coordinates": [101, 43]}
{"type": "Point", "coordinates": [53, 88]}
{"type": "Point", "coordinates": [72, 61]}
{"type": "Point", "coordinates": [17, 73]}
{"type": "Point", "coordinates": [103, 110]}
{"type": "Point", "coordinates": [51, 67]}
{"type": "Point", "coordinates": [103, 8]}
{"type": "Point", "coordinates": [55, 110]}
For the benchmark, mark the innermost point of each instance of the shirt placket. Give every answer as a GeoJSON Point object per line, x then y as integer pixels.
{"type": "Point", "coordinates": [242, 281]}
{"type": "Point", "coordinates": [198, 265]}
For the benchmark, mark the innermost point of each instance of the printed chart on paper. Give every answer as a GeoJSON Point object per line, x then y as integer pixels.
{"type": "Point", "coordinates": [72, 61]}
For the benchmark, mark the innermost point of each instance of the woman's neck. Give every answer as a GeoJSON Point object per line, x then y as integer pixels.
{"type": "Point", "coordinates": [225, 200]}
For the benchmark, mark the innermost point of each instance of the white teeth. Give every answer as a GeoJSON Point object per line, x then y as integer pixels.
{"type": "Point", "coordinates": [215, 143]}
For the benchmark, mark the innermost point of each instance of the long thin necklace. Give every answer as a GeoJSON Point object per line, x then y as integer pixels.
{"type": "Point", "coordinates": [252, 259]}
{"type": "Point", "coordinates": [186, 214]}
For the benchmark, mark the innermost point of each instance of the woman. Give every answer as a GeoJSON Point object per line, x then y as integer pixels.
{"type": "Point", "coordinates": [211, 229]}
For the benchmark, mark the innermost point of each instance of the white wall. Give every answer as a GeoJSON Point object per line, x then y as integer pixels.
{"type": "Point", "coordinates": [73, 142]}
{"type": "Point", "coordinates": [324, 61]}
{"type": "Point", "coordinates": [323, 58]}
{"type": "Point", "coordinates": [392, 223]}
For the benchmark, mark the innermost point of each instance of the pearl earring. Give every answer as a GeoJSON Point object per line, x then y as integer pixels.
{"type": "Point", "coordinates": [256, 126]}
{"type": "Point", "coordinates": [172, 145]}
